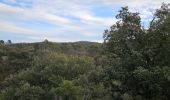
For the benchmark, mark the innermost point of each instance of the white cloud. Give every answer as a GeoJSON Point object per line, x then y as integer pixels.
{"type": "Point", "coordinates": [29, 14]}
{"type": "Point", "coordinates": [12, 28]}
{"type": "Point", "coordinates": [69, 17]}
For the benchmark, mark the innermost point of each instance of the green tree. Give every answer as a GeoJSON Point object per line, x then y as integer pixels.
{"type": "Point", "coordinates": [24, 92]}
{"type": "Point", "coordinates": [2, 42]}
{"type": "Point", "coordinates": [68, 91]}
{"type": "Point", "coordinates": [9, 42]}
{"type": "Point", "coordinates": [137, 57]}
{"type": "Point", "coordinates": [53, 73]}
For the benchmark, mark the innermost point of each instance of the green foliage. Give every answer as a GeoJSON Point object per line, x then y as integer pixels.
{"type": "Point", "coordinates": [131, 64]}
{"type": "Point", "coordinates": [67, 90]}
{"type": "Point", "coordinates": [49, 72]}
{"type": "Point", "coordinates": [1, 42]}
{"type": "Point", "coordinates": [13, 59]}
{"type": "Point", "coordinates": [24, 92]}
{"type": "Point", "coordinates": [138, 57]}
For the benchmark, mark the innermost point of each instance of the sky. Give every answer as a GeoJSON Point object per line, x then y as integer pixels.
{"type": "Point", "coordinates": [65, 20]}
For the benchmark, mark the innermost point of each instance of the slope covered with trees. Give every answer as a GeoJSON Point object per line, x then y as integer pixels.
{"type": "Point", "coordinates": [15, 57]}
{"type": "Point", "coordinates": [131, 64]}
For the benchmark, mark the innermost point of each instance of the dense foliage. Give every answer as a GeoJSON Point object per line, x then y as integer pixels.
{"type": "Point", "coordinates": [131, 64]}
{"type": "Point", "coordinates": [138, 58]}
{"type": "Point", "coordinates": [46, 70]}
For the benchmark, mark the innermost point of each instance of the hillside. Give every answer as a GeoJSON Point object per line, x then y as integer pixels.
{"type": "Point", "coordinates": [133, 63]}
{"type": "Point", "coordinates": [19, 56]}
{"type": "Point", "coordinates": [69, 48]}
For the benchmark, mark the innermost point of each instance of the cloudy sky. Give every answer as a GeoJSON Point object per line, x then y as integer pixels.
{"type": "Point", "coordinates": [65, 20]}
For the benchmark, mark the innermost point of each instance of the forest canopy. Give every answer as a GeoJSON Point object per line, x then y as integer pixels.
{"type": "Point", "coordinates": [133, 63]}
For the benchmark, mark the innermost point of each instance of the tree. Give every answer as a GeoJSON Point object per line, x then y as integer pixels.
{"type": "Point", "coordinates": [46, 41]}
{"type": "Point", "coordinates": [2, 42]}
{"type": "Point", "coordinates": [68, 91]}
{"type": "Point", "coordinates": [51, 74]}
{"type": "Point", "coordinates": [9, 42]}
{"type": "Point", "coordinates": [137, 57]}
{"type": "Point", "coordinates": [24, 92]}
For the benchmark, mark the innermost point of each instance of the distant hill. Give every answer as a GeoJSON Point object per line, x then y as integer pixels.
{"type": "Point", "coordinates": [18, 56]}
{"type": "Point", "coordinates": [69, 48]}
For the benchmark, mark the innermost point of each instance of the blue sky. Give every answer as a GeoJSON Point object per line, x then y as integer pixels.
{"type": "Point", "coordinates": [65, 20]}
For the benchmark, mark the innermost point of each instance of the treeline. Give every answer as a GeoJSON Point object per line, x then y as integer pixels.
{"type": "Point", "coordinates": [46, 70]}
{"type": "Point", "coordinates": [131, 64]}
{"type": "Point", "coordinates": [20, 56]}
{"type": "Point", "coordinates": [3, 42]}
